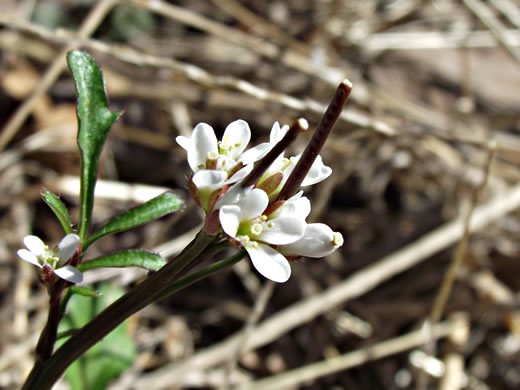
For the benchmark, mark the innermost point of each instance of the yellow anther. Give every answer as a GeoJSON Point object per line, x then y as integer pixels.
{"type": "Point", "coordinates": [286, 163]}
{"type": "Point", "coordinates": [212, 155]}
{"type": "Point", "coordinates": [337, 239]}
{"type": "Point", "coordinates": [50, 259]}
{"type": "Point", "coordinates": [256, 229]}
{"type": "Point", "coordinates": [224, 144]}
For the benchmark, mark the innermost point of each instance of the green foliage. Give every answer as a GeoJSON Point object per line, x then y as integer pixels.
{"type": "Point", "coordinates": [107, 359]}
{"type": "Point", "coordinates": [49, 14]}
{"type": "Point", "coordinates": [147, 212]}
{"type": "Point", "coordinates": [59, 210]}
{"type": "Point", "coordinates": [132, 258]}
{"type": "Point", "coordinates": [94, 122]}
{"type": "Point", "coordinates": [129, 23]}
{"type": "Point", "coordinates": [83, 291]}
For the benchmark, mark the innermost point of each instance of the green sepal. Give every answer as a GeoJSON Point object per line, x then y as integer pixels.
{"type": "Point", "coordinates": [155, 208]}
{"type": "Point", "coordinates": [59, 209]}
{"type": "Point", "coordinates": [94, 122]}
{"type": "Point", "coordinates": [132, 258]}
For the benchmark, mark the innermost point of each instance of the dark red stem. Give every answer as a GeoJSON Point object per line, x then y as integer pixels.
{"type": "Point", "coordinates": [317, 141]}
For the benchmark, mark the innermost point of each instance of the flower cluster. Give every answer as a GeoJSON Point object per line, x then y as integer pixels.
{"type": "Point", "coordinates": [53, 262]}
{"type": "Point", "coordinates": [273, 230]}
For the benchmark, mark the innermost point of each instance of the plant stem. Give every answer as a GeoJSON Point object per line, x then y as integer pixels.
{"type": "Point", "coordinates": [45, 373]}
{"type": "Point", "coordinates": [201, 274]}
{"type": "Point", "coordinates": [47, 338]}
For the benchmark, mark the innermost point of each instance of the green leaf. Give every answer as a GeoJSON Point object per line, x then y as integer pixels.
{"type": "Point", "coordinates": [67, 333]}
{"type": "Point", "coordinates": [83, 291]}
{"type": "Point", "coordinates": [94, 122]}
{"type": "Point", "coordinates": [106, 360]}
{"type": "Point", "coordinates": [59, 209]}
{"type": "Point", "coordinates": [157, 207]}
{"type": "Point", "coordinates": [132, 258]}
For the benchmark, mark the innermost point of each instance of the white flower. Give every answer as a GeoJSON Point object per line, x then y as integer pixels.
{"type": "Point", "coordinates": [205, 152]}
{"type": "Point", "coordinates": [319, 240]}
{"type": "Point", "coordinates": [246, 223]}
{"type": "Point", "coordinates": [216, 164]}
{"type": "Point", "coordinates": [38, 254]}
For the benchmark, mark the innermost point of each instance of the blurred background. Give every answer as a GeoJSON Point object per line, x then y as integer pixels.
{"type": "Point", "coordinates": [429, 138]}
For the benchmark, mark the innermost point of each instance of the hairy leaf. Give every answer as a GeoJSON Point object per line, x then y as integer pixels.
{"type": "Point", "coordinates": [132, 258]}
{"type": "Point", "coordinates": [157, 207]}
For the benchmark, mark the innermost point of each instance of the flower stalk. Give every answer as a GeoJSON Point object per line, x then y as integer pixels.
{"type": "Point", "coordinates": [47, 338]}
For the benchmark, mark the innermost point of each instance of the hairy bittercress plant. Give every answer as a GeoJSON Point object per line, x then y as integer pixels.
{"type": "Point", "coordinates": [251, 198]}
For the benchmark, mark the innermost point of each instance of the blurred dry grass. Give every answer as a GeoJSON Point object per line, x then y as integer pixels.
{"type": "Point", "coordinates": [434, 83]}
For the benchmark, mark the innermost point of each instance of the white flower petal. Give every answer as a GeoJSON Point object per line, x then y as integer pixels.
{"type": "Point", "coordinates": [317, 173]}
{"type": "Point", "coordinates": [253, 204]}
{"type": "Point", "coordinates": [24, 254]}
{"type": "Point", "coordinates": [240, 174]}
{"type": "Point", "coordinates": [232, 195]}
{"type": "Point", "coordinates": [67, 247]}
{"type": "Point", "coordinates": [35, 245]}
{"type": "Point", "coordinates": [269, 262]}
{"type": "Point", "coordinates": [282, 231]}
{"type": "Point", "coordinates": [277, 133]}
{"type": "Point", "coordinates": [296, 196]}
{"type": "Point", "coordinates": [70, 274]}
{"type": "Point", "coordinates": [203, 141]}
{"type": "Point", "coordinates": [296, 206]}
{"type": "Point", "coordinates": [229, 217]}
{"type": "Point", "coordinates": [207, 179]}
{"type": "Point", "coordinates": [184, 142]}
{"type": "Point", "coordinates": [237, 135]}
{"type": "Point", "coordinates": [255, 153]}
{"type": "Point", "coordinates": [318, 241]}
